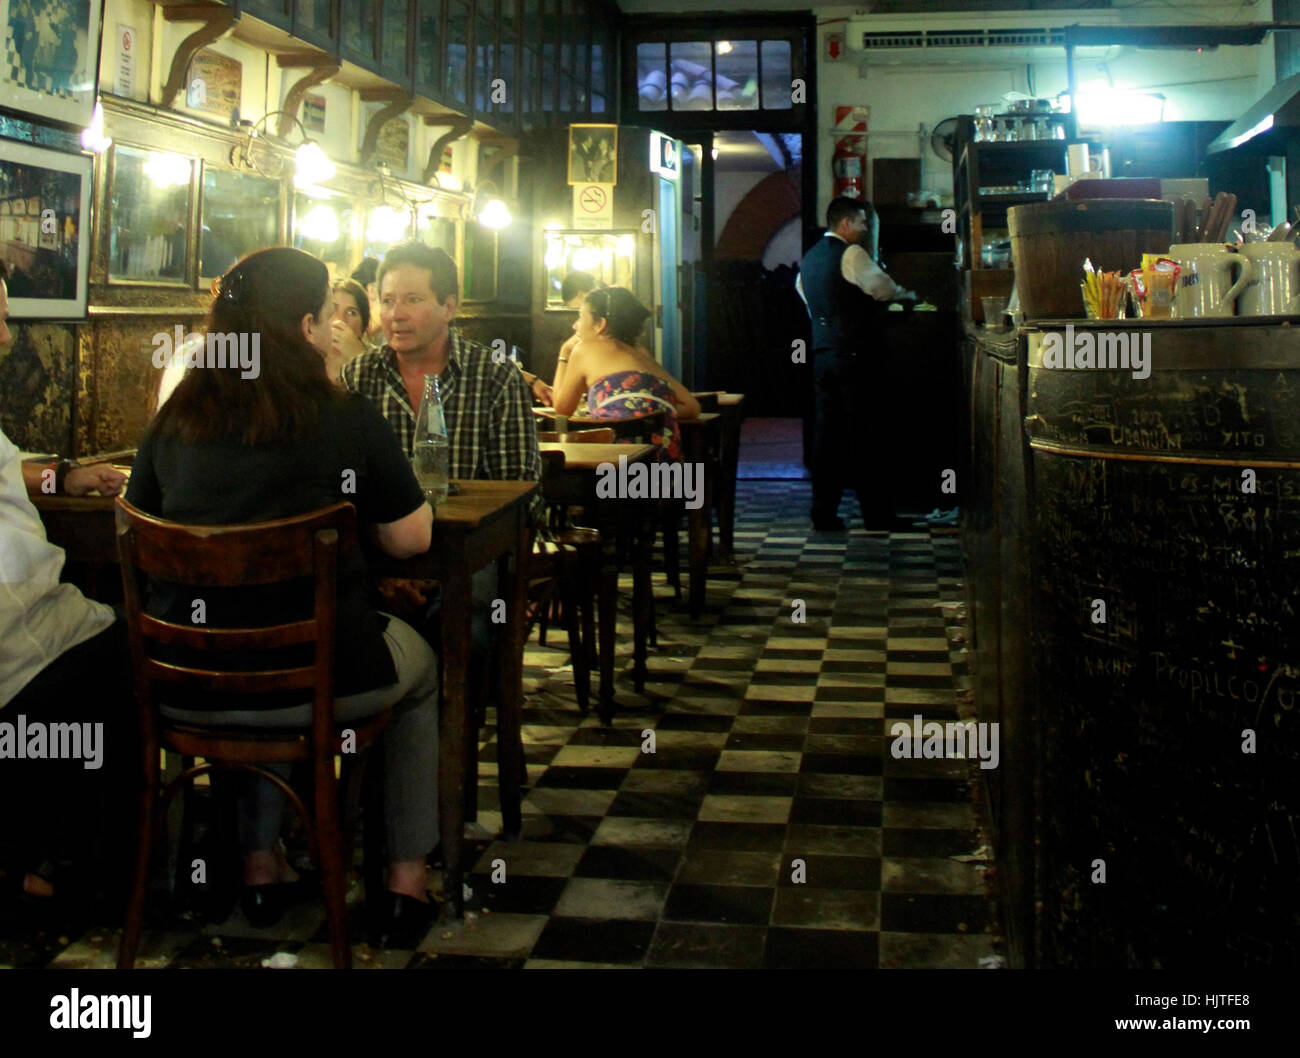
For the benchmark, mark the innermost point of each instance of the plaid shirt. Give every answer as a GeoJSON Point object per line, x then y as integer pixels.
{"type": "Point", "coordinates": [489, 420]}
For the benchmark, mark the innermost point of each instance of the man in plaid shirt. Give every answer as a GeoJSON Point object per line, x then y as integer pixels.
{"type": "Point", "coordinates": [490, 426]}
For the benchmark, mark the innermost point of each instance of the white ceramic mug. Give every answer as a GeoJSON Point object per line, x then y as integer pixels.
{"type": "Point", "coordinates": [1275, 288]}
{"type": "Point", "coordinates": [1208, 289]}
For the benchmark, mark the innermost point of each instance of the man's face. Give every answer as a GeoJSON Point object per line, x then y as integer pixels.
{"type": "Point", "coordinates": [413, 320]}
{"type": "Point", "coordinates": [5, 336]}
{"type": "Point", "coordinates": [853, 228]}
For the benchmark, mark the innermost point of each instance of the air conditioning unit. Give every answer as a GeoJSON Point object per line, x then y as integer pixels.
{"type": "Point", "coordinates": [1016, 37]}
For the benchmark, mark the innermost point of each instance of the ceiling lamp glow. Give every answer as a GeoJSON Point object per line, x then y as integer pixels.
{"type": "Point", "coordinates": [312, 165]}
{"type": "Point", "coordinates": [386, 225]}
{"type": "Point", "coordinates": [320, 224]}
{"type": "Point", "coordinates": [1105, 106]}
{"type": "Point", "coordinates": [495, 215]}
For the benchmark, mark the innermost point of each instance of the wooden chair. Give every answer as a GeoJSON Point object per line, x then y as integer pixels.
{"type": "Point", "coordinates": [564, 568]}
{"type": "Point", "coordinates": [235, 556]}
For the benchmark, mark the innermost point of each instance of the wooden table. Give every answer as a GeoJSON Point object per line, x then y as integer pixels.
{"type": "Point", "coordinates": [582, 463]}
{"type": "Point", "coordinates": [487, 521]}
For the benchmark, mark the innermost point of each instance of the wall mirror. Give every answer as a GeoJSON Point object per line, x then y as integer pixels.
{"type": "Point", "coordinates": [238, 213]}
{"type": "Point", "coordinates": [608, 255]}
{"type": "Point", "coordinates": [149, 207]}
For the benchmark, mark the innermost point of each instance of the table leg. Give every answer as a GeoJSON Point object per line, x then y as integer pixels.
{"type": "Point", "coordinates": [454, 733]}
{"type": "Point", "coordinates": [510, 750]}
{"type": "Point", "coordinates": [701, 529]}
{"type": "Point", "coordinates": [642, 594]}
{"type": "Point", "coordinates": [608, 615]}
{"type": "Point", "coordinates": [726, 488]}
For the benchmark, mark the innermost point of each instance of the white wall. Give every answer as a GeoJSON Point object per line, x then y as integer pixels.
{"type": "Point", "coordinates": [1214, 85]}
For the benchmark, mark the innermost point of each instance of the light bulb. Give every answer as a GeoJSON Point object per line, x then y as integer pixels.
{"type": "Point", "coordinates": [312, 165]}
{"type": "Point", "coordinates": [495, 215]}
{"type": "Point", "coordinates": [92, 137]}
{"type": "Point", "coordinates": [167, 170]}
{"type": "Point", "coordinates": [320, 224]}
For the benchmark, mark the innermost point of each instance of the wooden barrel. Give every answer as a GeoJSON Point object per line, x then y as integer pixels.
{"type": "Point", "coordinates": [1050, 240]}
{"type": "Point", "coordinates": [1165, 588]}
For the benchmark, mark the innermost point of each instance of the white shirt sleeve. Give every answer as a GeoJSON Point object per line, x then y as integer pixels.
{"type": "Point", "coordinates": [798, 286]}
{"type": "Point", "coordinates": [858, 268]}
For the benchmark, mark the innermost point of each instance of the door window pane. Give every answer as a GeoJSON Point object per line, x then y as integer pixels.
{"type": "Point", "coordinates": [484, 55]}
{"type": "Point", "coordinates": [239, 213]}
{"type": "Point", "coordinates": [358, 18]}
{"type": "Point", "coordinates": [150, 207]}
{"type": "Point", "coordinates": [506, 71]}
{"type": "Point", "coordinates": [548, 87]}
{"type": "Point", "coordinates": [528, 104]}
{"type": "Point", "coordinates": [457, 54]}
{"type": "Point", "coordinates": [691, 81]}
{"type": "Point", "coordinates": [777, 74]}
{"type": "Point", "coordinates": [566, 34]}
{"type": "Point", "coordinates": [314, 16]}
{"type": "Point", "coordinates": [737, 74]}
{"type": "Point", "coordinates": [427, 44]}
{"type": "Point", "coordinates": [508, 15]}
{"type": "Point", "coordinates": [396, 35]}
{"type": "Point", "coordinates": [652, 75]}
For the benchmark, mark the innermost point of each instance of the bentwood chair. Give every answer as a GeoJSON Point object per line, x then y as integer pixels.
{"type": "Point", "coordinates": [307, 548]}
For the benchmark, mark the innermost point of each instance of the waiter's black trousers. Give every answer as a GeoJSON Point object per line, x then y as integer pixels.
{"type": "Point", "coordinates": [848, 447]}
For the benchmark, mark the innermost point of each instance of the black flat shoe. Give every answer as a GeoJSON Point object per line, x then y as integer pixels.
{"type": "Point", "coordinates": [405, 922]}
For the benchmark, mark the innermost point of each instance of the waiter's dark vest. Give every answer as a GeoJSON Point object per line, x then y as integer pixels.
{"type": "Point", "coordinates": [841, 313]}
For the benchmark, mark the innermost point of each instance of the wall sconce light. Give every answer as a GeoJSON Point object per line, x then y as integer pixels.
{"type": "Point", "coordinates": [312, 165]}
{"type": "Point", "coordinates": [489, 209]}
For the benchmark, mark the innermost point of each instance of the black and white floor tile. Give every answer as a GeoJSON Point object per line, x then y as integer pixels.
{"type": "Point", "coordinates": [770, 827]}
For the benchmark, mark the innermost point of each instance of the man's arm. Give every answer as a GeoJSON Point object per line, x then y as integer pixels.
{"type": "Point", "coordinates": [858, 268]}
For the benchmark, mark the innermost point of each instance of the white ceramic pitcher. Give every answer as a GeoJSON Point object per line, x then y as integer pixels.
{"type": "Point", "coordinates": [1275, 288]}
{"type": "Point", "coordinates": [1207, 288]}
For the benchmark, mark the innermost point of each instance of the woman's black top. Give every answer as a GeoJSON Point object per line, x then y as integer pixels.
{"type": "Point", "coordinates": [352, 456]}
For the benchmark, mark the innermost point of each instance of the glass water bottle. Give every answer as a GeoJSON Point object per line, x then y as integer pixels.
{"type": "Point", "coordinates": [431, 456]}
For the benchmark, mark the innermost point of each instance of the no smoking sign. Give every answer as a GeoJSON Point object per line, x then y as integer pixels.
{"type": "Point", "coordinates": [593, 205]}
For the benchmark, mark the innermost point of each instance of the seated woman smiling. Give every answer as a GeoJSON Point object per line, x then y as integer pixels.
{"type": "Point", "coordinates": [620, 378]}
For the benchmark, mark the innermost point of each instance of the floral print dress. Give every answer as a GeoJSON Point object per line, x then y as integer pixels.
{"type": "Point", "coordinates": [632, 394]}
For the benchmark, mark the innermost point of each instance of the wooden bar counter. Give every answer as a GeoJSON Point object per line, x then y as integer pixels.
{"type": "Point", "coordinates": [1158, 644]}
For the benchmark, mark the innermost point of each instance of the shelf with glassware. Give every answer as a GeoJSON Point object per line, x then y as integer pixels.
{"type": "Point", "coordinates": [988, 178]}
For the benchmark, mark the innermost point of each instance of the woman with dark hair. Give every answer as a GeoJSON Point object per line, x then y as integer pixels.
{"type": "Point", "coordinates": [349, 321]}
{"type": "Point", "coordinates": [620, 377]}
{"type": "Point", "coordinates": [232, 447]}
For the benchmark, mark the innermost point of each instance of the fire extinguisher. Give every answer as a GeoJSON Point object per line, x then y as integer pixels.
{"type": "Point", "coordinates": [848, 168]}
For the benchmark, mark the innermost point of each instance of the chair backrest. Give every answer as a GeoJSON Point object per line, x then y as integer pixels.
{"type": "Point", "coordinates": [708, 401]}
{"type": "Point", "coordinates": [578, 437]}
{"type": "Point", "coordinates": [232, 556]}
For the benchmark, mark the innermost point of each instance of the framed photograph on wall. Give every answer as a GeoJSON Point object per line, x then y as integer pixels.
{"type": "Point", "coordinates": [48, 252]}
{"type": "Point", "coordinates": [50, 62]}
{"type": "Point", "coordinates": [593, 154]}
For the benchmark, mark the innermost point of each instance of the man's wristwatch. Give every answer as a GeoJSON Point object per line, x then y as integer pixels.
{"type": "Point", "coordinates": [61, 468]}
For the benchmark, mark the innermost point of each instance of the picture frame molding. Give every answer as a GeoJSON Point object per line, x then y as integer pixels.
{"type": "Point", "coordinates": [74, 308]}
{"type": "Point", "coordinates": [41, 106]}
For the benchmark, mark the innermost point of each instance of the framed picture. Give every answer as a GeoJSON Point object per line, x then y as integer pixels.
{"type": "Point", "coordinates": [50, 66]}
{"type": "Point", "coordinates": [48, 250]}
{"type": "Point", "coordinates": [214, 85]}
{"type": "Point", "coordinates": [593, 154]}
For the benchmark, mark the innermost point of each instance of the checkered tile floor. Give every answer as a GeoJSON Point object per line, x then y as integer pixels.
{"type": "Point", "coordinates": [770, 827]}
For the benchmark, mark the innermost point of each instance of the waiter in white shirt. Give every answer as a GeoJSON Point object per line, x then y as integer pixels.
{"type": "Point", "coordinates": [838, 283]}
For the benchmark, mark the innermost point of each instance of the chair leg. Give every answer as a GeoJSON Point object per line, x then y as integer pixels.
{"type": "Point", "coordinates": [672, 551]}
{"type": "Point", "coordinates": [148, 807]}
{"type": "Point", "coordinates": [333, 872]}
{"type": "Point", "coordinates": [543, 622]}
{"type": "Point", "coordinates": [577, 650]}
